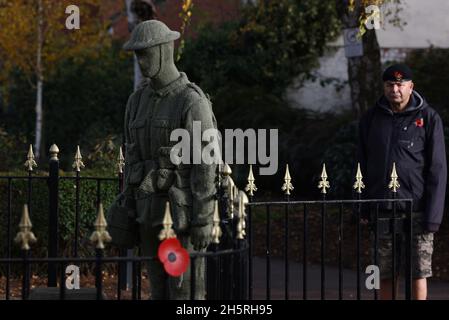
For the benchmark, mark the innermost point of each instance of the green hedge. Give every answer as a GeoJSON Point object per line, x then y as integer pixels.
{"type": "Point", "coordinates": [40, 208]}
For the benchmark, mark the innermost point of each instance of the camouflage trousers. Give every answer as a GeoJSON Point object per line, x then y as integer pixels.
{"type": "Point", "coordinates": [422, 249]}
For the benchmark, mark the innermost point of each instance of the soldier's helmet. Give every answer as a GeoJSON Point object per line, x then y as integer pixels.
{"type": "Point", "coordinates": [148, 34]}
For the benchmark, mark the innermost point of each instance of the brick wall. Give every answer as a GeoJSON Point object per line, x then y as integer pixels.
{"type": "Point", "coordinates": [204, 11]}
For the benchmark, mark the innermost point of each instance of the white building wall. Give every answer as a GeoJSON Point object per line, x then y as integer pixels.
{"type": "Point", "coordinates": [426, 25]}
{"type": "Point", "coordinates": [316, 97]}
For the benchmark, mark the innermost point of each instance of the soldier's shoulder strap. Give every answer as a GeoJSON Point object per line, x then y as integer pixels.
{"type": "Point", "coordinates": [182, 99]}
{"type": "Point", "coordinates": [204, 96]}
{"type": "Point", "coordinates": [200, 92]}
{"type": "Point", "coordinates": [196, 88]}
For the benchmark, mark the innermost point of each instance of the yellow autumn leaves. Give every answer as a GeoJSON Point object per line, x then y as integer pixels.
{"type": "Point", "coordinates": [185, 15]}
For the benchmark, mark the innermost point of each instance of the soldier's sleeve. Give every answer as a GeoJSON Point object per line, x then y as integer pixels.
{"type": "Point", "coordinates": [199, 116]}
{"type": "Point", "coordinates": [436, 178]}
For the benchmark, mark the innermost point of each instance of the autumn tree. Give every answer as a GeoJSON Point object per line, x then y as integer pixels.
{"type": "Point", "coordinates": [271, 46]}
{"type": "Point", "coordinates": [285, 38]}
{"type": "Point", "coordinates": [34, 37]}
{"type": "Point", "coordinates": [364, 71]}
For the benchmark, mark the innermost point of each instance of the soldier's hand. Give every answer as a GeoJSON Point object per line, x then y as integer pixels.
{"type": "Point", "coordinates": [201, 236]}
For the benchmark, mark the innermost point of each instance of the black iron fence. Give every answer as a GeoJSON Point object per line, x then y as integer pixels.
{"type": "Point", "coordinates": [225, 259]}
{"type": "Point", "coordinates": [230, 258]}
{"type": "Point", "coordinates": [390, 218]}
{"type": "Point", "coordinates": [399, 223]}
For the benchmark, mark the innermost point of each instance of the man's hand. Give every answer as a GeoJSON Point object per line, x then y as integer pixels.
{"type": "Point", "coordinates": [201, 236]}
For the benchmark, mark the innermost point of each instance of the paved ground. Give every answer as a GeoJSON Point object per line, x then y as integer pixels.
{"type": "Point", "coordinates": [438, 290]}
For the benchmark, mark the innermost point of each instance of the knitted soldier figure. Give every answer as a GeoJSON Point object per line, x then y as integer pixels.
{"type": "Point", "coordinates": [168, 102]}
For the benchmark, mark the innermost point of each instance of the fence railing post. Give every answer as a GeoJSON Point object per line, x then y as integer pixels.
{"type": "Point", "coordinates": [77, 165]}
{"type": "Point", "coordinates": [53, 188]}
{"type": "Point", "coordinates": [24, 238]}
{"type": "Point", "coordinates": [323, 185]}
{"type": "Point", "coordinates": [287, 187]}
{"type": "Point", "coordinates": [124, 268]}
{"type": "Point", "coordinates": [409, 248]}
{"type": "Point", "coordinates": [250, 188]}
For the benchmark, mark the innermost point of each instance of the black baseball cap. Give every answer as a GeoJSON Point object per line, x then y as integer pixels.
{"type": "Point", "coordinates": [397, 72]}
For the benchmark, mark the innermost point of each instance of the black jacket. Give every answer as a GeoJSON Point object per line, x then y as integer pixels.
{"type": "Point", "coordinates": [414, 140]}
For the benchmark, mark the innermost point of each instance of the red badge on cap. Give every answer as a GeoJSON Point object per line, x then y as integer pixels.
{"type": "Point", "coordinates": [419, 122]}
{"type": "Point", "coordinates": [173, 256]}
{"type": "Point", "coordinates": [398, 76]}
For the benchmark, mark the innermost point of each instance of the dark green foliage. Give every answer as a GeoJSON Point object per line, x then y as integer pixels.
{"type": "Point", "coordinates": [431, 75]}
{"type": "Point", "coordinates": [306, 140]}
{"type": "Point", "coordinates": [84, 100]}
{"type": "Point", "coordinates": [211, 60]}
{"type": "Point", "coordinates": [12, 151]}
{"type": "Point", "coordinates": [39, 212]}
{"type": "Point", "coordinates": [284, 39]}
{"type": "Point", "coordinates": [247, 65]}
{"type": "Point", "coordinates": [321, 138]}
{"type": "Point", "coordinates": [272, 45]}
{"type": "Point", "coordinates": [340, 159]}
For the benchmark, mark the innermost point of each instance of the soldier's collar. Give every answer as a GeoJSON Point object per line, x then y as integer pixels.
{"type": "Point", "coordinates": [175, 84]}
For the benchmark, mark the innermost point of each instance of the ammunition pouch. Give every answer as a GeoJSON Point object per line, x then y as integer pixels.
{"type": "Point", "coordinates": [165, 179]}
{"type": "Point", "coordinates": [154, 177]}
{"type": "Point", "coordinates": [148, 183]}
{"type": "Point", "coordinates": [122, 225]}
{"type": "Point", "coordinates": [165, 173]}
{"type": "Point", "coordinates": [181, 207]}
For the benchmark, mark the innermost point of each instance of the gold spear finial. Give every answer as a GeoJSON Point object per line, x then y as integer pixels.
{"type": "Point", "coordinates": [287, 186]}
{"type": "Point", "coordinates": [120, 161]}
{"type": "Point", "coordinates": [251, 186]}
{"type": "Point", "coordinates": [25, 236]}
{"type": "Point", "coordinates": [100, 236]}
{"type": "Point", "coordinates": [30, 163]}
{"type": "Point", "coordinates": [226, 170]}
{"type": "Point", "coordinates": [216, 229]}
{"type": "Point", "coordinates": [167, 230]}
{"type": "Point", "coordinates": [324, 183]}
{"type": "Point", "coordinates": [54, 151]}
{"type": "Point", "coordinates": [394, 183]}
{"type": "Point", "coordinates": [231, 196]}
{"type": "Point", "coordinates": [78, 163]}
{"type": "Point", "coordinates": [359, 185]}
{"type": "Point", "coordinates": [241, 225]}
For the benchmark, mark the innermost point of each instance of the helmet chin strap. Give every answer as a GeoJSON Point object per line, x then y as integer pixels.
{"type": "Point", "coordinates": [160, 62]}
